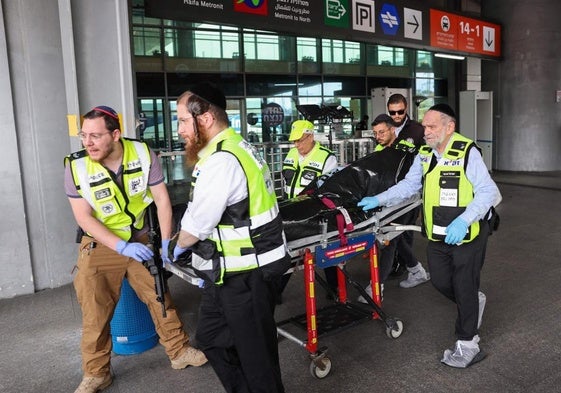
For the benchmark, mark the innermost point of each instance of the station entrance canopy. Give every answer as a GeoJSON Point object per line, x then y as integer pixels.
{"type": "Point", "coordinates": [408, 24]}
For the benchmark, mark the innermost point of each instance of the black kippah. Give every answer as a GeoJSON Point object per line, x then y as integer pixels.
{"type": "Point", "coordinates": [210, 93]}
{"type": "Point", "coordinates": [444, 108]}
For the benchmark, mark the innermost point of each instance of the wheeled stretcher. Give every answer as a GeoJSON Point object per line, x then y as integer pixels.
{"type": "Point", "coordinates": [336, 248]}
{"type": "Point", "coordinates": [324, 228]}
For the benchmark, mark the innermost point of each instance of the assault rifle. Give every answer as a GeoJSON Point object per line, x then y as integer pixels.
{"type": "Point", "coordinates": [155, 265]}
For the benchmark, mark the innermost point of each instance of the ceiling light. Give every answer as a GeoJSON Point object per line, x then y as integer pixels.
{"type": "Point", "coordinates": [447, 56]}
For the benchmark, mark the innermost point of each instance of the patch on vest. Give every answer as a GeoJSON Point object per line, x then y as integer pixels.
{"type": "Point", "coordinates": [315, 164]}
{"type": "Point", "coordinates": [307, 177]}
{"type": "Point", "coordinates": [196, 172]}
{"type": "Point", "coordinates": [253, 153]}
{"type": "Point", "coordinates": [96, 177]}
{"type": "Point", "coordinates": [448, 197]}
{"type": "Point", "coordinates": [102, 194]}
{"type": "Point", "coordinates": [136, 185]}
{"type": "Point", "coordinates": [134, 164]}
{"type": "Point", "coordinates": [108, 208]}
{"type": "Point", "coordinates": [452, 163]}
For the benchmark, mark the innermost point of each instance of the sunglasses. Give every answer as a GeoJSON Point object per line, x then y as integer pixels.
{"type": "Point", "coordinates": [399, 112]}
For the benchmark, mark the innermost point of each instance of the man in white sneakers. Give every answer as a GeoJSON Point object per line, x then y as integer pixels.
{"type": "Point", "coordinates": [458, 200]}
{"type": "Point", "coordinates": [384, 128]}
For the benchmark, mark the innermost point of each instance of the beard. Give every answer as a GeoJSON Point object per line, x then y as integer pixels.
{"type": "Point", "coordinates": [435, 143]}
{"type": "Point", "coordinates": [399, 124]}
{"type": "Point", "coordinates": [99, 154]}
{"type": "Point", "coordinates": [194, 145]}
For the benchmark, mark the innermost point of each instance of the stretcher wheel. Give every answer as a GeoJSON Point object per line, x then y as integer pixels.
{"type": "Point", "coordinates": [317, 371]}
{"type": "Point", "coordinates": [394, 328]}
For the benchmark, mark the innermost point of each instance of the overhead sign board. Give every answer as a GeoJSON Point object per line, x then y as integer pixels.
{"type": "Point", "coordinates": [408, 24]}
{"type": "Point", "coordinates": [459, 33]}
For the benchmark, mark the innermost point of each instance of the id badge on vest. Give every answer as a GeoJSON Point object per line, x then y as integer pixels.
{"type": "Point", "coordinates": [449, 183]}
{"type": "Point", "coordinates": [307, 177]}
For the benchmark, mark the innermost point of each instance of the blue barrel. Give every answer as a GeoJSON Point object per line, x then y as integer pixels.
{"type": "Point", "coordinates": [132, 329]}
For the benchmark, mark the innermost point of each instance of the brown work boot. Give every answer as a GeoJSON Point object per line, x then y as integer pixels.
{"type": "Point", "coordinates": [190, 357]}
{"type": "Point", "coordinates": [94, 384]}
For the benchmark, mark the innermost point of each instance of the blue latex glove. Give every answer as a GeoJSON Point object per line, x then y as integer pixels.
{"type": "Point", "coordinates": [456, 231]}
{"type": "Point", "coordinates": [165, 251]}
{"type": "Point", "coordinates": [136, 251]}
{"type": "Point", "coordinates": [369, 203]}
{"type": "Point", "coordinates": [177, 251]}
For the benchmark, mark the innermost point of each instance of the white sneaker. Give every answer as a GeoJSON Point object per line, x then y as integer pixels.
{"type": "Point", "coordinates": [368, 290]}
{"type": "Point", "coordinates": [482, 301]}
{"type": "Point", "coordinates": [463, 354]}
{"type": "Point", "coordinates": [416, 276]}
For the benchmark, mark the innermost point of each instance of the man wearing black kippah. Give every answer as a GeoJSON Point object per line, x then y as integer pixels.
{"type": "Point", "coordinates": [234, 231]}
{"type": "Point", "coordinates": [458, 200]}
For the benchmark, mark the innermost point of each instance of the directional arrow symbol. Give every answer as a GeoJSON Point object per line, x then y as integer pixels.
{"type": "Point", "coordinates": [416, 24]}
{"type": "Point", "coordinates": [489, 39]}
{"type": "Point", "coordinates": [335, 9]}
{"type": "Point", "coordinates": [413, 28]}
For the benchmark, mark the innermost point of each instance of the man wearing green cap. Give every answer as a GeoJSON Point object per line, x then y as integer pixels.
{"type": "Point", "coordinates": [306, 160]}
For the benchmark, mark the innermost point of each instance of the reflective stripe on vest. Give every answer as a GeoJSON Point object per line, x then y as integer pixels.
{"type": "Point", "coordinates": [297, 175]}
{"type": "Point", "coordinates": [249, 234]}
{"type": "Point", "coordinates": [446, 189]}
{"type": "Point", "coordinates": [118, 208]}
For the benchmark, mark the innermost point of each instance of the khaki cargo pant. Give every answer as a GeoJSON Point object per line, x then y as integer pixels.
{"type": "Point", "coordinates": [98, 286]}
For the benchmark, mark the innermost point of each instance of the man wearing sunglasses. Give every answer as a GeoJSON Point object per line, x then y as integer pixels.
{"type": "Point", "coordinates": [407, 130]}
{"type": "Point", "coordinates": [409, 134]}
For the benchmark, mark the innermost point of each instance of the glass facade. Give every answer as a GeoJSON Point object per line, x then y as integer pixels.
{"type": "Point", "coordinates": [261, 71]}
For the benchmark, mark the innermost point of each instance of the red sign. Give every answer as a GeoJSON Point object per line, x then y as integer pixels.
{"type": "Point", "coordinates": [459, 33]}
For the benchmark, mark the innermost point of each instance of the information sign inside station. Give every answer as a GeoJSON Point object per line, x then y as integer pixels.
{"type": "Point", "coordinates": [459, 33]}
{"type": "Point", "coordinates": [405, 23]}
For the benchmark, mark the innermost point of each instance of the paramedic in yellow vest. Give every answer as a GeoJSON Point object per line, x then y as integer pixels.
{"type": "Point", "coordinates": [110, 184]}
{"type": "Point", "coordinates": [384, 129]}
{"type": "Point", "coordinates": [234, 231]}
{"type": "Point", "coordinates": [306, 160]}
{"type": "Point", "coordinates": [458, 196]}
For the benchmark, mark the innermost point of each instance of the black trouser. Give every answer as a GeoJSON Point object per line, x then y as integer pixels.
{"type": "Point", "coordinates": [237, 332]}
{"type": "Point", "coordinates": [404, 245]}
{"type": "Point", "coordinates": [455, 272]}
{"type": "Point", "coordinates": [386, 259]}
{"type": "Point", "coordinates": [331, 278]}
{"type": "Point", "coordinates": [404, 248]}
